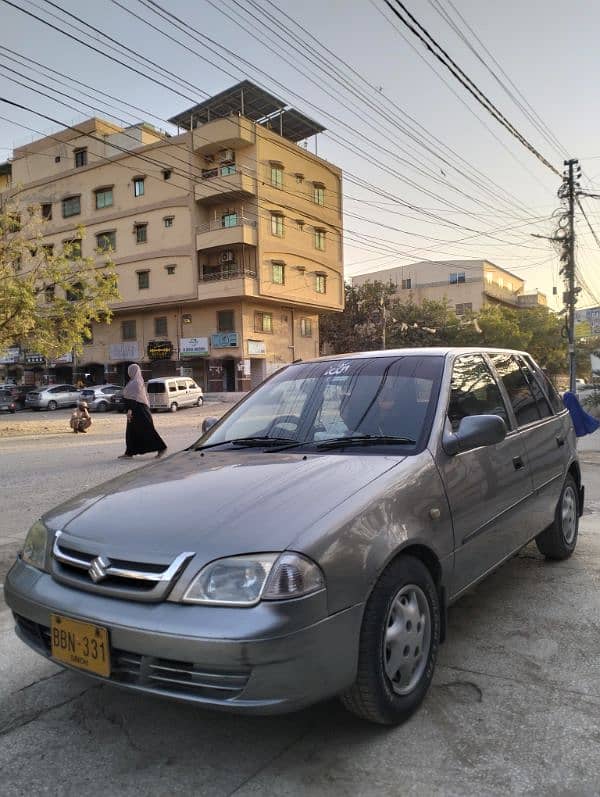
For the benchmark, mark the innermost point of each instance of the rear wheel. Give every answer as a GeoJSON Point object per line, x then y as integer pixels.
{"type": "Point", "coordinates": [399, 641]}
{"type": "Point", "coordinates": [102, 407]}
{"type": "Point", "coordinates": [200, 401]}
{"type": "Point", "coordinates": [558, 541]}
{"type": "Point", "coordinates": [174, 406]}
{"type": "Point", "coordinates": [52, 405]}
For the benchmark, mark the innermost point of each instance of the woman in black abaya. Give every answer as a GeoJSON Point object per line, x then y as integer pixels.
{"type": "Point", "coordinates": [140, 435]}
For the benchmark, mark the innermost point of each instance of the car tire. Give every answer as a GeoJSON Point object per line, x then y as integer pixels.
{"type": "Point", "coordinates": [52, 405]}
{"type": "Point", "coordinates": [200, 401]}
{"type": "Point", "coordinates": [102, 407]}
{"type": "Point", "coordinates": [173, 406]}
{"type": "Point", "coordinates": [558, 541]}
{"type": "Point", "coordinates": [402, 618]}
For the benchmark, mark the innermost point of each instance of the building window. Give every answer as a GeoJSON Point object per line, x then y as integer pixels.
{"type": "Point", "coordinates": [509, 285]}
{"type": "Point", "coordinates": [105, 241]}
{"type": "Point", "coordinates": [228, 168]}
{"type": "Point", "coordinates": [489, 277]}
{"type": "Point", "coordinates": [169, 221]}
{"type": "Point", "coordinates": [80, 157]}
{"type": "Point", "coordinates": [49, 294]}
{"type": "Point", "coordinates": [229, 219]}
{"type": "Point", "coordinates": [48, 250]}
{"type": "Point", "coordinates": [299, 177]}
{"type": "Point", "coordinates": [463, 309]}
{"type": "Point", "coordinates": [128, 331]}
{"type": "Point", "coordinates": [47, 211]}
{"type": "Point", "coordinates": [143, 280]}
{"type": "Point", "coordinates": [170, 270]}
{"type": "Point", "coordinates": [277, 224]}
{"type": "Point", "coordinates": [166, 174]}
{"type": "Point", "coordinates": [263, 322]}
{"type": "Point", "coordinates": [72, 249]}
{"type": "Point", "coordinates": [456, 277]}
{"type": "Point", "coordinates": [319, 194]}
{"type": "Point", "coordinates": [306, 327]}
{"type": "Point", "coordinates": [320, 283]}
{"type": "Point", "coordinates": [104, 198]}
{"type": "Point", "coordinates": [141, 233]}
{"type": "Point", "coordinates": [407, 284]}
{"type": "Point", "coordinates": [320, 239]}
{"type": "Point", "coordinates": [138, 186]}
{"type": "Point", "coordinates": [300, 224]}
{"type": "Point", "coordinates": [160, 325]}
{"type": "Point", "coordinates": [225, 321]}
{"type": "Point", "coordinates": [277, 175]}
{"type": "Point", "coordinates": [278, 274]}
{"type": "Point", "coordinates": [71, 206]}
{"type": "Point", "coordinates": [75, 292]}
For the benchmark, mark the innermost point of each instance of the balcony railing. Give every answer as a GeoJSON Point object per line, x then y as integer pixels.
{"type": "Point", "coordinates": [231, 271]}
{"type": "Point", "coordinates": [220, 224]}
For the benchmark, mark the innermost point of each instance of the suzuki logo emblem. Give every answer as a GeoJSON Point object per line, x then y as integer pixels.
{"type": "Point", "coordinates": [98, 568]}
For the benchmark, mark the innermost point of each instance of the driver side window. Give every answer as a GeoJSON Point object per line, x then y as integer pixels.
{"type": "Point", "coordinates": [474, 391]}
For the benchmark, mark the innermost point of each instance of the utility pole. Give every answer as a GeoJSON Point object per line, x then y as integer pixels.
{"type": "Point", "coordinates": [570, 184]}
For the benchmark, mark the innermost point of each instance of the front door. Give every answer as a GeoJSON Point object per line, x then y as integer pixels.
{"type": "Point", "coordinates": [489, 487]}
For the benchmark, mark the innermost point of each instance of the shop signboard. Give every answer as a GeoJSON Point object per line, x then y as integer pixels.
{"type": "Point", "coordinates": [160, 350]}
{"type": "Point", "coordinates": [256, 347]}
{"type": "Point", "coordinates": [118, 352]}
{"type": "Point", "coordinates": [193, 347]}
{"type": "Point", "coordinates": [224, 340]}
{"type": "Point", "coordinates": [33, 358]}
{"type": "Point", "coordinates": [10, 356]}
{"type": "Point", "coordinates": [64, 358]}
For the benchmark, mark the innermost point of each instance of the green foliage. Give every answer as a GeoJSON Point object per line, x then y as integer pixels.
{"type": "Point", "coordinates": [48, 298]}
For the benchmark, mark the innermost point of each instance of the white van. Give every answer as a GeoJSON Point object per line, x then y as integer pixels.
{"type": "Point", "coordinates": [173, 392]}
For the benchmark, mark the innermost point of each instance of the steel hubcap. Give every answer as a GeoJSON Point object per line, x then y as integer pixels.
{"type": "Point", "coordinates": [569, 515]}
{"type": "Point", "coordinates": [407, 638]}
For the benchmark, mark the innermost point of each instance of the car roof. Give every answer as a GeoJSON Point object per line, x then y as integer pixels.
{"type": "Point", "coordinates": [425, 351]}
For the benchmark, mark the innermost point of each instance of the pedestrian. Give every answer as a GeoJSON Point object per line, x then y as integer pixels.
{"type": "Point", "coordinates": [140, 434]}
{"type": "Point", "coordinates": [81, 419]}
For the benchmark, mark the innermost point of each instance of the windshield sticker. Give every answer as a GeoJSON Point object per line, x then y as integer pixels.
{"type": "Point", "coordinates": [338, 369]}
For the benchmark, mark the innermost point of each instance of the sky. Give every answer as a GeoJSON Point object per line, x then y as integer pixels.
{"type": "Point", "coordinates": [429, 174]}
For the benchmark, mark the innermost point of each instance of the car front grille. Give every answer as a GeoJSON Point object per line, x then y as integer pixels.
{"type": "Point", "coordinates": [88, 570]}
{"type": "Point", "coordinates": [163, 676]}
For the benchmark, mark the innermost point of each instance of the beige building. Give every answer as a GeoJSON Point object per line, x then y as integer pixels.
{"type": "Point", "coordinates": [5, 176]}
{"type": "Point", "coordinates": [227, 237]}
{"type": "Point", "coordinates": [466, 284]}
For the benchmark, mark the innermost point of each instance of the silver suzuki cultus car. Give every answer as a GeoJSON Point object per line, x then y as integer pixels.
{"type": "Point", "coordinates": [310, 543]}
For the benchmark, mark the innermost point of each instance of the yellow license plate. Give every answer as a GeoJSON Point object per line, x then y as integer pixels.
{"type": "Point", "coordinates": [82, 645]}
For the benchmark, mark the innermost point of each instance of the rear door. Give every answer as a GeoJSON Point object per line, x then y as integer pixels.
{"type": "Point", "coordinates": [488, 488]}
{"type": "Point", "coordinates": [183, 394]}
{"type": "Point", "coordinates": [544, 432]}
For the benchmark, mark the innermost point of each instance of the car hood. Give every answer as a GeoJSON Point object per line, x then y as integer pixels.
{"type": "Point", "coordinates": [215, 504]}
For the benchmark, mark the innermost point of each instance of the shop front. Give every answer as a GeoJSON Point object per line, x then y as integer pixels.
{"type": "Point", "coordinates": [11, 368]}
{"type": "Point", "coordinates": [193, 357]}
{"type": "Point", "coordinates": [226, 373]}
{"type": "Point", "coordinates": [160, 354]}
{"type": "Point", "coordinates": [121, 356]}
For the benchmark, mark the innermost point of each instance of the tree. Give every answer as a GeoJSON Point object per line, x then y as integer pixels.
{"type": "Point", "coordinates": [360, 327]}
{"type": "Point", "coordinates": [48, 298]}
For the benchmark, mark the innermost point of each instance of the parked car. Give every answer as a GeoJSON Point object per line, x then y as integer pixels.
{"type": "Point", "coordinates": [311, 541]}
{"type": "Point", "coordinates": [18, 393]}
{"type": "Point", "coordinates": [116, 401]}
{"type": "Point", "coordinates": [52, 397]}
{"type": "Point", "coordinates": [173, 393]}
{"type": "Point", "coordinates": [98, 397]}
{"type": "Point", "coordinates": [7, 402]}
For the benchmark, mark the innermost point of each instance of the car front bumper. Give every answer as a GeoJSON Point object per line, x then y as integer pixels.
{"type": "Point", "coordinates": [271, 658]}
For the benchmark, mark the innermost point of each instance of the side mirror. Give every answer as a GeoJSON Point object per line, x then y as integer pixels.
{"type": "Point", "coordinates": [474, 431]}
{"type": "Point", "coordinates": [207, 423]}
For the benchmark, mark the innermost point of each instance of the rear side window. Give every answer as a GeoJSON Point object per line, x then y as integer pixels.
{"type": "Point", "coordinates": [172, 388]}
{"type": "Point", "coordinates": [548, 387]}
{"type": "Point", "coordinates": [182, 385]}
{"type": "Point", "coordinates": [474, 391]}
{"type": "Point", "coordinates": [520, 395]}
{"type": "Point", "coordinates": [540, 399]}
{"type": "Point", "coordinates": [156, 387]}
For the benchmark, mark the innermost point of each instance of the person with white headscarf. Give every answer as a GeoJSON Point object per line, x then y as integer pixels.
{"type": "Point", "coordinates": [140, 435]}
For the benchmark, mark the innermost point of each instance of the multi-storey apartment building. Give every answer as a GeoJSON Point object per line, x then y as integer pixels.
{"type": "Point", "coordinates": [227, 237]}
{"type": "Point", "coordinates": [466, 284]}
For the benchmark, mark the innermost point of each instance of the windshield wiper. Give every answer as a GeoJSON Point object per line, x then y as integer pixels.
{"type": "Point", "coordinates": [363, 440]}
{"type": "Point", "coordinates": [248, 442]}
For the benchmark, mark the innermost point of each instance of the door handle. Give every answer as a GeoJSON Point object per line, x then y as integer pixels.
{"type": "Point", "coordinates": [518, 463]}
{"type": "Point", "coordinates": [560, 441]}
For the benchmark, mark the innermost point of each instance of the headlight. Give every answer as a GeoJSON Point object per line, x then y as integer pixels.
{"type": "Point", "coordinates": [245, 580]}
{"type": "Point", "coordinates": [36, 545]}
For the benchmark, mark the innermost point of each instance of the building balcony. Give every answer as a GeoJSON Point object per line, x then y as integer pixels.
{"type": "Point", "coordinates": [503, 295]}
{"type": "Point", "coordinates": [227, 281]}
{"type": "Point", "coordinates": [229, 132]}
{"type": "Point", "coordinates": [215, 234]}
{"type": "Point", "coordinates": [215, 187]}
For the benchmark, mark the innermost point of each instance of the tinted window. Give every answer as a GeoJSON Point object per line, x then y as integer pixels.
{"type": "Point", "coordinates": [473, 391]}
{"type": "Point", "coordinates": [521, 397]}
{"type": "Point", "coordinates": [156, 387]}
{"type": "Point", "coordinates": [548, 387]}
{"type": "Point", "coordinates": [538, 394]}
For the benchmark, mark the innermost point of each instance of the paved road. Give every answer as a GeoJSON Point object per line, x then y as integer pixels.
{"type": "Point", "coordinates": [514, 709]}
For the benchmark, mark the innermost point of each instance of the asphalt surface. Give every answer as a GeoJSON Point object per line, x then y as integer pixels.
{"type": "Point", "coordinates": [514, 708]}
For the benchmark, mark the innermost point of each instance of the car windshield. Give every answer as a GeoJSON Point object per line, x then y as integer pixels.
{"type": "Point", "coordinates": [391, 398]}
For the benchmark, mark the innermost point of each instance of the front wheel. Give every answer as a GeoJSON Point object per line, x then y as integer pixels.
{"type": "Point", "coordinates": [52, 405]}
{"type": "Point", "coordinates": [558, 541]}
{"type": "Point", "coordinates": [102, 407]}
{"type": "Point", "coordinates": [174, 407]}
{"type": "Point", "coordinates": [399, 641]}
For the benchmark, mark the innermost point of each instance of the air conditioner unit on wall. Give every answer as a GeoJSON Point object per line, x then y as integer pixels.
{"type": "Point", "coordinates": [226, 155]}
{"type": "Point", "coordinates": [226, 256]}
